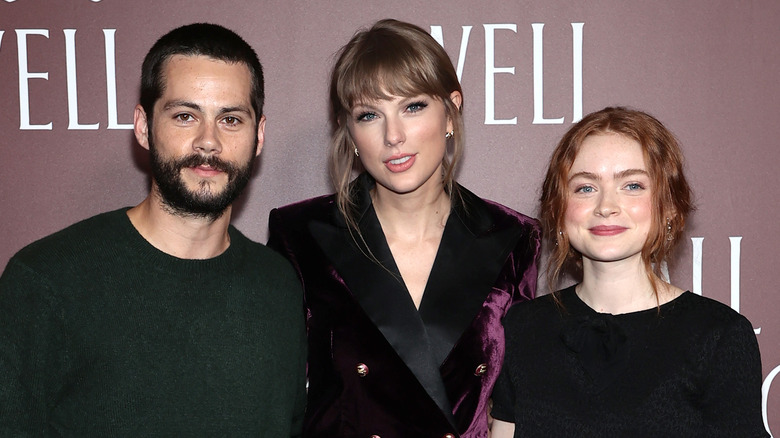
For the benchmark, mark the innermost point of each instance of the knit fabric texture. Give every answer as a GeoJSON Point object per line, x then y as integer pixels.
{"type": "Point", "coordinates": [101, 334]}
{"type": "Point", "coordinates": [689, 369]}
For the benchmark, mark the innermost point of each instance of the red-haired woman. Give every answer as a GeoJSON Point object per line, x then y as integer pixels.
{"type": "Point", "coordinates": [623, 353]}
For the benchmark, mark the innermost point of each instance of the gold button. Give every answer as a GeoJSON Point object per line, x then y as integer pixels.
{"type": "Point", "coordinates": [362, 370]}
{"type": "Point", "coordinates": [481, 370]}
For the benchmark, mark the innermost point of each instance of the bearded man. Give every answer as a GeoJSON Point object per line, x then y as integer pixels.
{"type": "Point", "coordinates": [162, 319]}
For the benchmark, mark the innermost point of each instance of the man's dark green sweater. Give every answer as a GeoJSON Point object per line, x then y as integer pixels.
{"type": "Point", "coordinates": [101, 334]}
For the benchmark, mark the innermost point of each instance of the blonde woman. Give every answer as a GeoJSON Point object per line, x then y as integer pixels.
{"type": "Point", "coordinates": [407, 275]}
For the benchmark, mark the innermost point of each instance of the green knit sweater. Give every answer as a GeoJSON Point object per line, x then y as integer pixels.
{"type": "Point", "coordinates": [103, 335]}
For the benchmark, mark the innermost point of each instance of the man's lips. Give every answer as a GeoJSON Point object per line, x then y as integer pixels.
{"type": "Point", "coordinates": [205, 171]}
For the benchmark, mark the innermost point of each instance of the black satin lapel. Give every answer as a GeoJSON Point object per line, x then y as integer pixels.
{"type": "Point", "coordinates": [463, 274]}
{"type": "Point", "coordinates": [383, 296]}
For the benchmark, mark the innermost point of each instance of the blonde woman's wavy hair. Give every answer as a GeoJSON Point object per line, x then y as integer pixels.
{"type": "Point", "coordinates": [390, 58]}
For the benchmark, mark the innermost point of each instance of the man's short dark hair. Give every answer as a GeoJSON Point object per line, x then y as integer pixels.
{"type": "Point", "coordinates": [196, 39]}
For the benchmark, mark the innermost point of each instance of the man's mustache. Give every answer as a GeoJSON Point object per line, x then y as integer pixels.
{"type": "Point", "coordinates": [212, 161]}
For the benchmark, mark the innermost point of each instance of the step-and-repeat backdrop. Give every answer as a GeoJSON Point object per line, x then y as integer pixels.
{"type": "Point", "coordinates": [69, 75]}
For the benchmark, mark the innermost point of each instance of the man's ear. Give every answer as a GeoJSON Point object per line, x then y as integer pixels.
{"type": "Point", "coordinates": [141, 127]}
{"type": "Point", "coordinates": [260, 135]}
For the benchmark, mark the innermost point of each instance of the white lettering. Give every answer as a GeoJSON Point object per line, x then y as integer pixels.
{"type": "Point", "coordinates": [576, 42]}
{"type": "Point", "coordinates": [735, 270]}
{"type": "Point", "coordinates": [491, 70]}
{"type": "Point", "coordinates": [70, 64]}
{"type": "Point", "coordinates": [25, 76]}
{"type": "Point", "coordinates": [697, 262]}
{"type": "Point", "coordinates": [735, 262]}
{"type": "Point", "coordinates": [539, 79]}
{"type": "Point", "coordinates": [464, 44]}
{"type": "Point", "coordinates": [437, 34]}
{"type": "Point", "coordinates": [765, 396]}
{"type": "Point", "coordinates": [113, 117]}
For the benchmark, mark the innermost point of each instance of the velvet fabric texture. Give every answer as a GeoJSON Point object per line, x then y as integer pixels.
{"type": "Point", "coordinates": [378, 366]}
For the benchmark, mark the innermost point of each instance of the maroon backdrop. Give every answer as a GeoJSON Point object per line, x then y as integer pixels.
{"type": "Point", "coordinates": [69, 74]}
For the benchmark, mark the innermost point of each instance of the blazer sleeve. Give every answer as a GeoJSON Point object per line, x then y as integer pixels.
{"type": "Point", "coordinates": [526, 263]}
{"type": "Point", "coordinates": [277, 236]}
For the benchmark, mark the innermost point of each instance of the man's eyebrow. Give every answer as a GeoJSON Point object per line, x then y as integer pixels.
{"type": "Point", "coordinates": [192, 105]}
{"type": "Point", "coordinates": [238, 108]}
{"type": "Point", "coordinates": [184, 103]}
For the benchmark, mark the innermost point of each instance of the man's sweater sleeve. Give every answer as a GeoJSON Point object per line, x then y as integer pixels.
{"type": "Point", "coordinates": [31, 356]}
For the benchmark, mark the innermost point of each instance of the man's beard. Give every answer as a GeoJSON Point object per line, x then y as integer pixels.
{"type": "Point", "coordinates": [203, 202]}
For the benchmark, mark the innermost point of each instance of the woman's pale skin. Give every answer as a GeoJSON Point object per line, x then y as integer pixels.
{"type": "Point", "coordinates": [401, 142]}
{"type": "Point", "coordinates": [608, 219]}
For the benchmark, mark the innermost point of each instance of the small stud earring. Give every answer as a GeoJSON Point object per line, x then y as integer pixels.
{"type": "Point", "coordinates": [669, 235]}
{"type": "Point", "coordinates": [357, 154]}
{"type": "Point", "coordinates": [449, 135]}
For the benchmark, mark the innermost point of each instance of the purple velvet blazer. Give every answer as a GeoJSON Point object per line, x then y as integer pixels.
{"type": "Point", "coordinates": [379, 366]}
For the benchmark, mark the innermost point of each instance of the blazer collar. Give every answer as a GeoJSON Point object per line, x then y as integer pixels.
{"type": "Point", "coordinates": [470, 256]}
{"type": "Point", "coordinates": [366, 265]}
{"type": "Point", "coordinates": [468, 207]}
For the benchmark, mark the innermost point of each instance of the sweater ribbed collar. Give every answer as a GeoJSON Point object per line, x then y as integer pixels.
{"type": "Point", "coordinates": [229, 261]}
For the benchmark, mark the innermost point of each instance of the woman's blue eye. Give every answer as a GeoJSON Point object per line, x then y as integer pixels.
{"type": "Point", "coordinates": [634, 186]}
{"type": "Point", "coordinates": [366, 117]}
{"type": "Point", "coordinates": [416, 106]}
{"type": "Point", "coordinates": [585, 189]}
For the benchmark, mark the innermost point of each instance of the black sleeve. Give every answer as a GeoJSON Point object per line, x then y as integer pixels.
{"type": "Point", "coordinates": [503, 397]}
{"type": "Point", "coordinates": [504, 391]}
{"type": "Point", "coordinates": [31, 356]}
{"type": "Point", "coordinates": [732, 399]}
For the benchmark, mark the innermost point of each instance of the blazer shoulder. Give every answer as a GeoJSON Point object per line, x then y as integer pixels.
{"type": "Point", "coordinates": [301, 212]}
{"type": "Point", "coordinates": [485, 217]}
{"type": "Point", "coordinates": [503, 213]}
